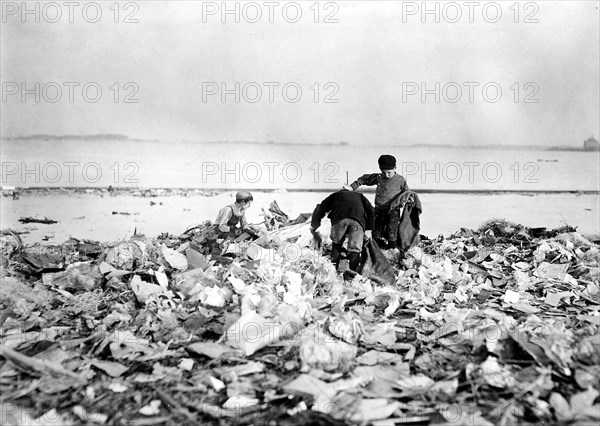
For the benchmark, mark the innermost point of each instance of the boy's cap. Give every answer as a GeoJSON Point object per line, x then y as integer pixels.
{"type": "Point", "coordinates": [387, 162]}
{"type": "Point", "coordinates": [243, 196]}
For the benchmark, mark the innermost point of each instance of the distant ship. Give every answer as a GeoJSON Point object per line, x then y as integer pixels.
{"type": "Point", "coordinates": [591, 144]}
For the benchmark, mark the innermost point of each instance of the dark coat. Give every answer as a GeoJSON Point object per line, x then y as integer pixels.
{"type": "Point", "coordinates": [410, 222]}
{"type": "Point", "coordinates": [345, 205]}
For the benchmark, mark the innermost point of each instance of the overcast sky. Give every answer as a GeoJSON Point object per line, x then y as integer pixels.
{"type": "Point", "coordinates": [375, 55]}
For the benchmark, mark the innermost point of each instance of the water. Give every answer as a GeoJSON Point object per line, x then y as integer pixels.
{"type": "Point", "coordinates": [292, 167]}
{"type": "Point", "coordinates": [90, 216]}
{"type": "Point", "coordinates": [56, 163]}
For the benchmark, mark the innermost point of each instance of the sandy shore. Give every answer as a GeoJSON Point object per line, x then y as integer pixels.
{"type": "Point", "coordinates": [90, 216]}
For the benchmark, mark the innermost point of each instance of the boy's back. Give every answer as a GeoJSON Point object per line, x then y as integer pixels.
{"type": "Point", "coordinates": [345, 205]}
{"type": "Point", "coordinates": [386, 189]}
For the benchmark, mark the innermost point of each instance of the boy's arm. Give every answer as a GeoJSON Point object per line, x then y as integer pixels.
{"type": "Point", "coordinates": [243, 221]}
{"type": "Point", "coordinates": [368, 179]}
{"type": "Point", "coordinates": [224, 215]}
{"type": "Point", "coordinates": [370, 211]}
{"type": "Point", "coordinates": [247, 227]}
{"type": "Point", "coordinates": [401, 199]}
{"type": "Point", "coordinates": [316, 218]}
{"type": "Point", "coordinates": [319, 213]}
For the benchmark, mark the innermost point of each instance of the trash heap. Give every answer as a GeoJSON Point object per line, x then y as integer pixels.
{"type": "Point", "coordinates": [494, 326]}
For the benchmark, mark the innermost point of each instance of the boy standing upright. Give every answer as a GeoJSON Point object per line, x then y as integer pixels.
{"type": "Point", "coordinates": [387, 210]}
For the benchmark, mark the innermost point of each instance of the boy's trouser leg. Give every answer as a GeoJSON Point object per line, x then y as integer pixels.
{"type": "Point", "coordinates": [393, 221]}
{"type": "Point", "coordinates": [338, 233]}
{"type": "Point", "coordinates": [356, 237]}
{"type": "Point", "coordinates": [336, 253]}
{"type": "Point", "coordinates": [379, 225]}
{"type": "Point", "coordinates": [379, 228]}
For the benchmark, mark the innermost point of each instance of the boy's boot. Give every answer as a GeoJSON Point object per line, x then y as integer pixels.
{"type": "Point", "coordinates": [380, 243]}
{"type": "Point", "coordinates": [354, 260]}
{"type": "Point", "coordinates": [336, 253]}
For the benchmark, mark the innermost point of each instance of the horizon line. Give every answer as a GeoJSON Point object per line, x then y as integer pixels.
{"type": "Point", "coordinates": [121, 137]}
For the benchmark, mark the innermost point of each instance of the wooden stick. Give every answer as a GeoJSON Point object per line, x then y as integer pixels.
{"type": "Point", "coordinates": [179, 408]}
{"type": "Point", "coordinates": [37, 220]}
{"type": "Point", "coordinates": [39, 365]}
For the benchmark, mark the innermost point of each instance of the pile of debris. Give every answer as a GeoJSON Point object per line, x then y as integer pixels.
{"type": "Point", "coordinates": [494, 326]}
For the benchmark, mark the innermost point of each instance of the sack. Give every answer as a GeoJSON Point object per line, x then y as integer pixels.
{"type": "Point", "coordinates": [374, 265]}
{"type": "Point", "coordinates": [409, 227]}
{"type": "Point", "coordinates": [410, 222]}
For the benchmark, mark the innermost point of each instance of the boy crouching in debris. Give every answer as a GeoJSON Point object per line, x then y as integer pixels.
{"type": "Point", "coordinates": [231, 220]}
{"type": "Point", "coordinates": [352, 217]}
{"type": "Point", "coordinates": [387, 211]}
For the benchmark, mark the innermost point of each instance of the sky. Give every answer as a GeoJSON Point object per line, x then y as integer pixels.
{"type": "Point", "coordinates": [378, 72]}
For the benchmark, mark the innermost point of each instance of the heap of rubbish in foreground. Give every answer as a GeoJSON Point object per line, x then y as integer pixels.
{"type": "Point", "coordinates": [494, 326]}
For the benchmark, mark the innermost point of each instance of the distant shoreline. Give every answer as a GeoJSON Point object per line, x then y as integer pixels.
{"type": "Point", "coordinates": [162, 192]}
{"type": "Point", "coordinates": [124, 138]}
